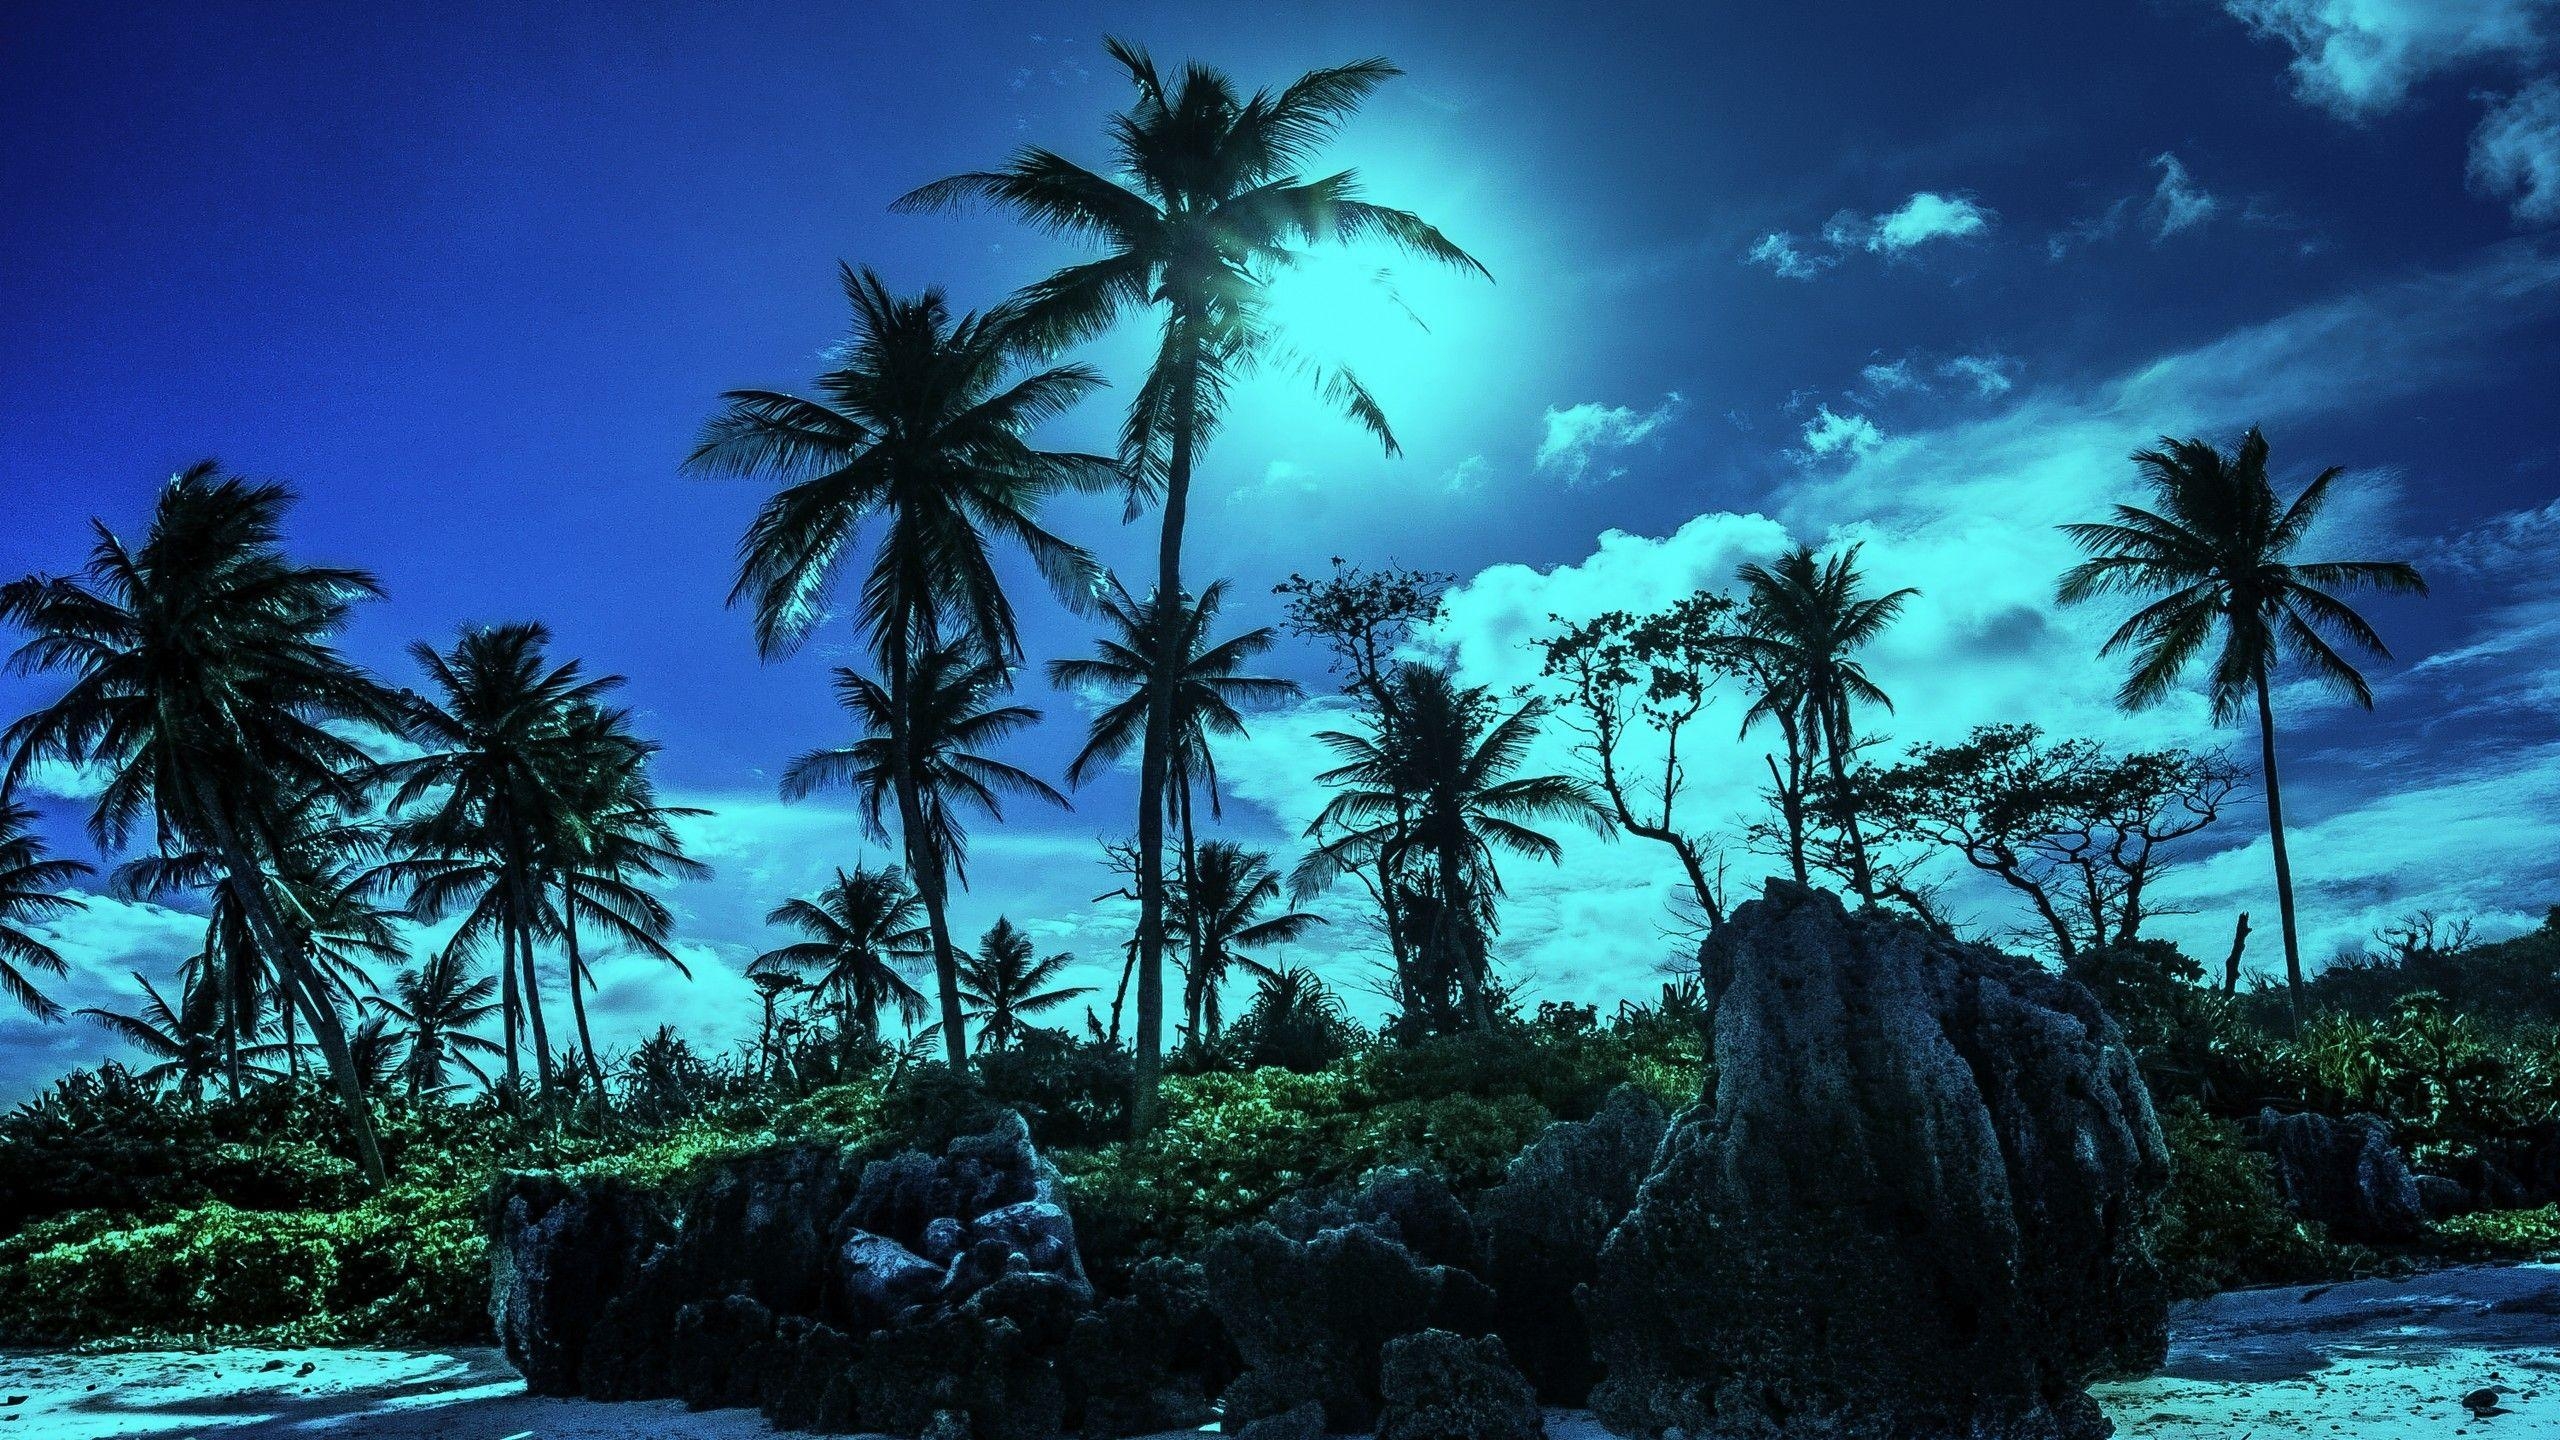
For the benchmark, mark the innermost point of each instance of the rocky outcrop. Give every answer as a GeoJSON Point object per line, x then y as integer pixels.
{"type": "Point", "coordinates": [914, 1294]}
{"type": "Point", "coordinates": [1309, 1316]}
{"type": "Point", "coordinates": [1916, 1205]}
{"type": "Point", "coordinates": [2346, 1175]}
{"type": "Point", "coordinates": [1540, 1232]}
{"type": "Point", "coordinates": [1439, 1386]}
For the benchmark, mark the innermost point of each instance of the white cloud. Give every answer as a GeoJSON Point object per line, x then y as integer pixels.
{"type": "Point", "coordinates": [1886, 379]}
{"type": "Point", "coordinates": [2515, 154]}
{"type": "Point", "coordinates": [1779, 251]}
{"type": "Point", "coordinates": [1579, 435]}
{"type": "Point", "coordinates": [1926, 216]}
{"type": "Point", "coordinates": [2359, 58]}
{"type": "Point", "coordinates": [1832, 433]}
{"type": "Point", "coordinates": [1990, 375]}
{"type": "Point", "coordinates": [1467, 475]}
{"type": "Point", "coordinates": [2178, 202]}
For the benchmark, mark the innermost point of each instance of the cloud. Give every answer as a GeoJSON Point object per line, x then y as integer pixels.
{"type": "Point", "coordinates": [1779, 251]}
{"type": "Point", "coordinates": [102, 944]}
{"type": "Point", "coordinates": [1990, 375]}
{"type": "Point", "coordinates": [1467, 475]}
{"type": "Point", "coordinates": [1578, 436]}
{"type": "Point", "coordinates": [1831, 433]}
{"type": "Point", "coordinates": [2359, 58]}
{"type": "Point", "coordinates": [1886, 379]}
{"type": "Point", "coordinates": [2178, 203]}
{"type": "Point", "coordinates": [2515, 154]}
{"type": "Point", "coordinates": [1925, 217]}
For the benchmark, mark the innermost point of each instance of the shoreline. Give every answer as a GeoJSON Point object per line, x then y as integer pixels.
{"type": "Point", "coordinates": [2384, 1358]}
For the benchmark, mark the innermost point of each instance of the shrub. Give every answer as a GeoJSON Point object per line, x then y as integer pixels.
{"type": "Point", "coordinates": [2505, 1234]}
{"type": "Point", "coordinates": [2224, 1224]}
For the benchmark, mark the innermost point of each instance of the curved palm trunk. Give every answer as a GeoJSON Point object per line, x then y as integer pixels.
{"type": "Point", "coordinates": [1836, 753]}
{"type": "Point", "coordinates": [510, 1012]}
{"type": "Point", "coordinates": [577, 1000]}
{"type": "Point", "coordinates": [2275, 837]}
{"type": "Point", "coordinates": [1147, 1070]}
{"type": "Point", "coordinates": [539, 1032]}
{"type": "Point", "coordinates": [1195, 990]}
{"type": "Point", "coordinates": [927, 869]}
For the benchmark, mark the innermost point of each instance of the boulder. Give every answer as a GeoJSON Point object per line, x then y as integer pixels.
{"type": "Point", "coordinates": [1303, 1421]}
{"type": "Point", "coordinates": [1439, 1386]}
{"type": "Point", "coordinates": [1541, 1231]}
{"type": "Point", "coordinates": [564, 1251]}
{"type": "Point", "coordinates": [2346, 1175]}
{"type": "Point", "coordinates": [1918, 1203]}
{"type": "Point", "coordinates": [1308, 1317]}
{"type": "Point", "coordinates": [1148, 1361]}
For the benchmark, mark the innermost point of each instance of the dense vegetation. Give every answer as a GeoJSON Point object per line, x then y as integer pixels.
{"type": "Point", "coordinates": [308, 1145]}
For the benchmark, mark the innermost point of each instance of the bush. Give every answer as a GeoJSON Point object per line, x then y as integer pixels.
{"type": "Point", "coordinates": [2505, 1234]}
{"type": "Point", "coordinates": [2225, 1226]}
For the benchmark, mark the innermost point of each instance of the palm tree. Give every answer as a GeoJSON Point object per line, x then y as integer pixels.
{"type": "Point", "coordinates": [441, 1003]}
{"type": "Point", "coordinates": [30, 891]}
{"type": "Point", "coordinates": [1432, 793]}
{"type": "Point", "coordinates": [772, 979]}
{"type": "Point", "coordinates": [860, 929]}
{"type": "Point", "coordinates": [923, 428]}
{"type": "Point", "coordinates": [482, 802]}
{"type": "Point", "coordinates": [204, 683]}
{"type": "Point", "coordinates": [1210, 692]}
{"type": "Point", "coordinates": [1208, 206]}
{"type": "Point", "coordinates": [608, 835]}
{"type": "Point", "coordinates": [185, 1041]}
{"type": "Point", "coordinates": [1804, 621]}
{"type": "Point", "coordinates": [1220, 901]}
{"type": "Point", "coordinates": [2217, 552]}
{"type": "Point", "coordinates": [921, 750]}
{"type": "Point", "coordinates": [1003, 986]}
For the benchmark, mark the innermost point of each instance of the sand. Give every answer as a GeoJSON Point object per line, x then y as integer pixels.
{"type": "Point", "coordinates": [2380, 1358]}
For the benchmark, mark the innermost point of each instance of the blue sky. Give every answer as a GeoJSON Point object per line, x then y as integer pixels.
{"type": "Point", "coordinates": [470, 276]}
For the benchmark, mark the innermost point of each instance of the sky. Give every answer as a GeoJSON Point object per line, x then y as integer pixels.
{"type": "Point", "coordinates": [470, 277]}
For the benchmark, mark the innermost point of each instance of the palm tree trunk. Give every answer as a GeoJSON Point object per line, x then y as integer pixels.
{"type": "Point", "coordinates": [1860, 877]}
{"type": "Point", "coordinates": [577, 998]}
{"type": "Point", "coordinates": [1147, 1070]}
{"type": "Point", "coordinates": [927, 869]}
{"type": "Point", "coordinates": [510, 1010]}
{"type": "Point", "coordinates": [1196, 981]}
{"type": "Point", "coordinates": [2284, 865]}
{"type": "Point", "coordinates": [540, 1033]}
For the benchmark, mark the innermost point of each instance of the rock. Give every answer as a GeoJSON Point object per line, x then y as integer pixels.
{"type": "Point", "coordinates": [1917, 1204]}
{"type": "Point", "coordinates": [2442, 1196]}
{"type": "Point", "coordinates": [1308, 1316]}
{"type": "Point", "coordinates": [1541, 1231]}
{"type": "Point", "coordinates": [981, 1371]}
{"type": "Point", "coordinates": [721, 1349]}
{"type": "Point", "coordinates": [809, 1385]}
{"type": "Point", "coordinates": [1303, 1421]}
{"type": "Point", "coordinates": [1146, 1362]}
{"type": "Point", "coordinates": [882, 1279]}
{"type": "Point", "coordinates": [1439, 1386]}
{"type": "Point", "coordinates": [563, 1252]}
{"type": "Point", "coordinates": [2344, 1174]}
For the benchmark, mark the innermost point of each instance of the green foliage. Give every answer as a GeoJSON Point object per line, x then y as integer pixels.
{"type": "Point", "coordinates": [2505, 1234]}
{"type": "Point", "coordinates": [2446, 1085]}
{"type": "Point", "coordinates": [2223, 1224]}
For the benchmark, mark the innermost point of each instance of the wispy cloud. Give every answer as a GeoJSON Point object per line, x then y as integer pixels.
{"type": "Point", "coordinates": [1579, 438]}
{"type": "Point", "coordinates": [2359, 58]}
{"type": "Point", "coordinates": [1989, 375]}
{"type": "Point", "coordinates": [1927, 217]}
{"type": "Point", "coordinates": [2515, 154]}
{"type": "Point", "coordinates": [2178, 202]}
{"type": "Point", "coordinates": [1831, 433]}
{"type": "Point", "coordinates": [1784, 254]}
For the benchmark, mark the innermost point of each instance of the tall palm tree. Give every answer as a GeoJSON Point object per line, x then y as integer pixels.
{"type": "Point", "coordinates": [1003, 985]}
{"type": "Point", "coordinates": [860, 929]}
{"type": "Point", "coordinates": [1204, 205]}
{"type": "Point", "coordinates": [1221, 899]}
{"type": "Point", "coordinates": [773, 979]}
{"type": "Point", "coordinates": [920, 751]}
{"type": "Point", "coordinates": [441, 1002]}
{"type": "Point", "coordinates": [481, 803]}
{"type": "Point", "coordinates": [204, 683]}
{"type": "Point", "coordinates": [1434, 795]}
{"type": "Point", "coordinates": [1210, 693]}
{"type": "Point", "coordinates": [2217, 552]}
{"type": "Point", "coordinates": [924, 427]}
{"type": "Point", "coordinates": [30, 891]}
{"type": "Point", "coordinates": [1804, 619]}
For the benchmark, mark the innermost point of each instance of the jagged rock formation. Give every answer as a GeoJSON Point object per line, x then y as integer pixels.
{"type": "Point", "coordinates": [2345, 1174]}
{"type": "Point", "coordinates": [914, 1294]}
{"type": "Point", "coordinates": [1439, 1386]}
{"type": "Point", "coordinates": [1540, 1232]}
{"type": "Point", "coordinates": [1311, 1297]}
{"type": "Point", "coordinates": [1917, 1204]}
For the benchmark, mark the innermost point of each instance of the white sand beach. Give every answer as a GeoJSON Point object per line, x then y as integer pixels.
{"type": "Point", "coordinates": [2377, 1358]}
